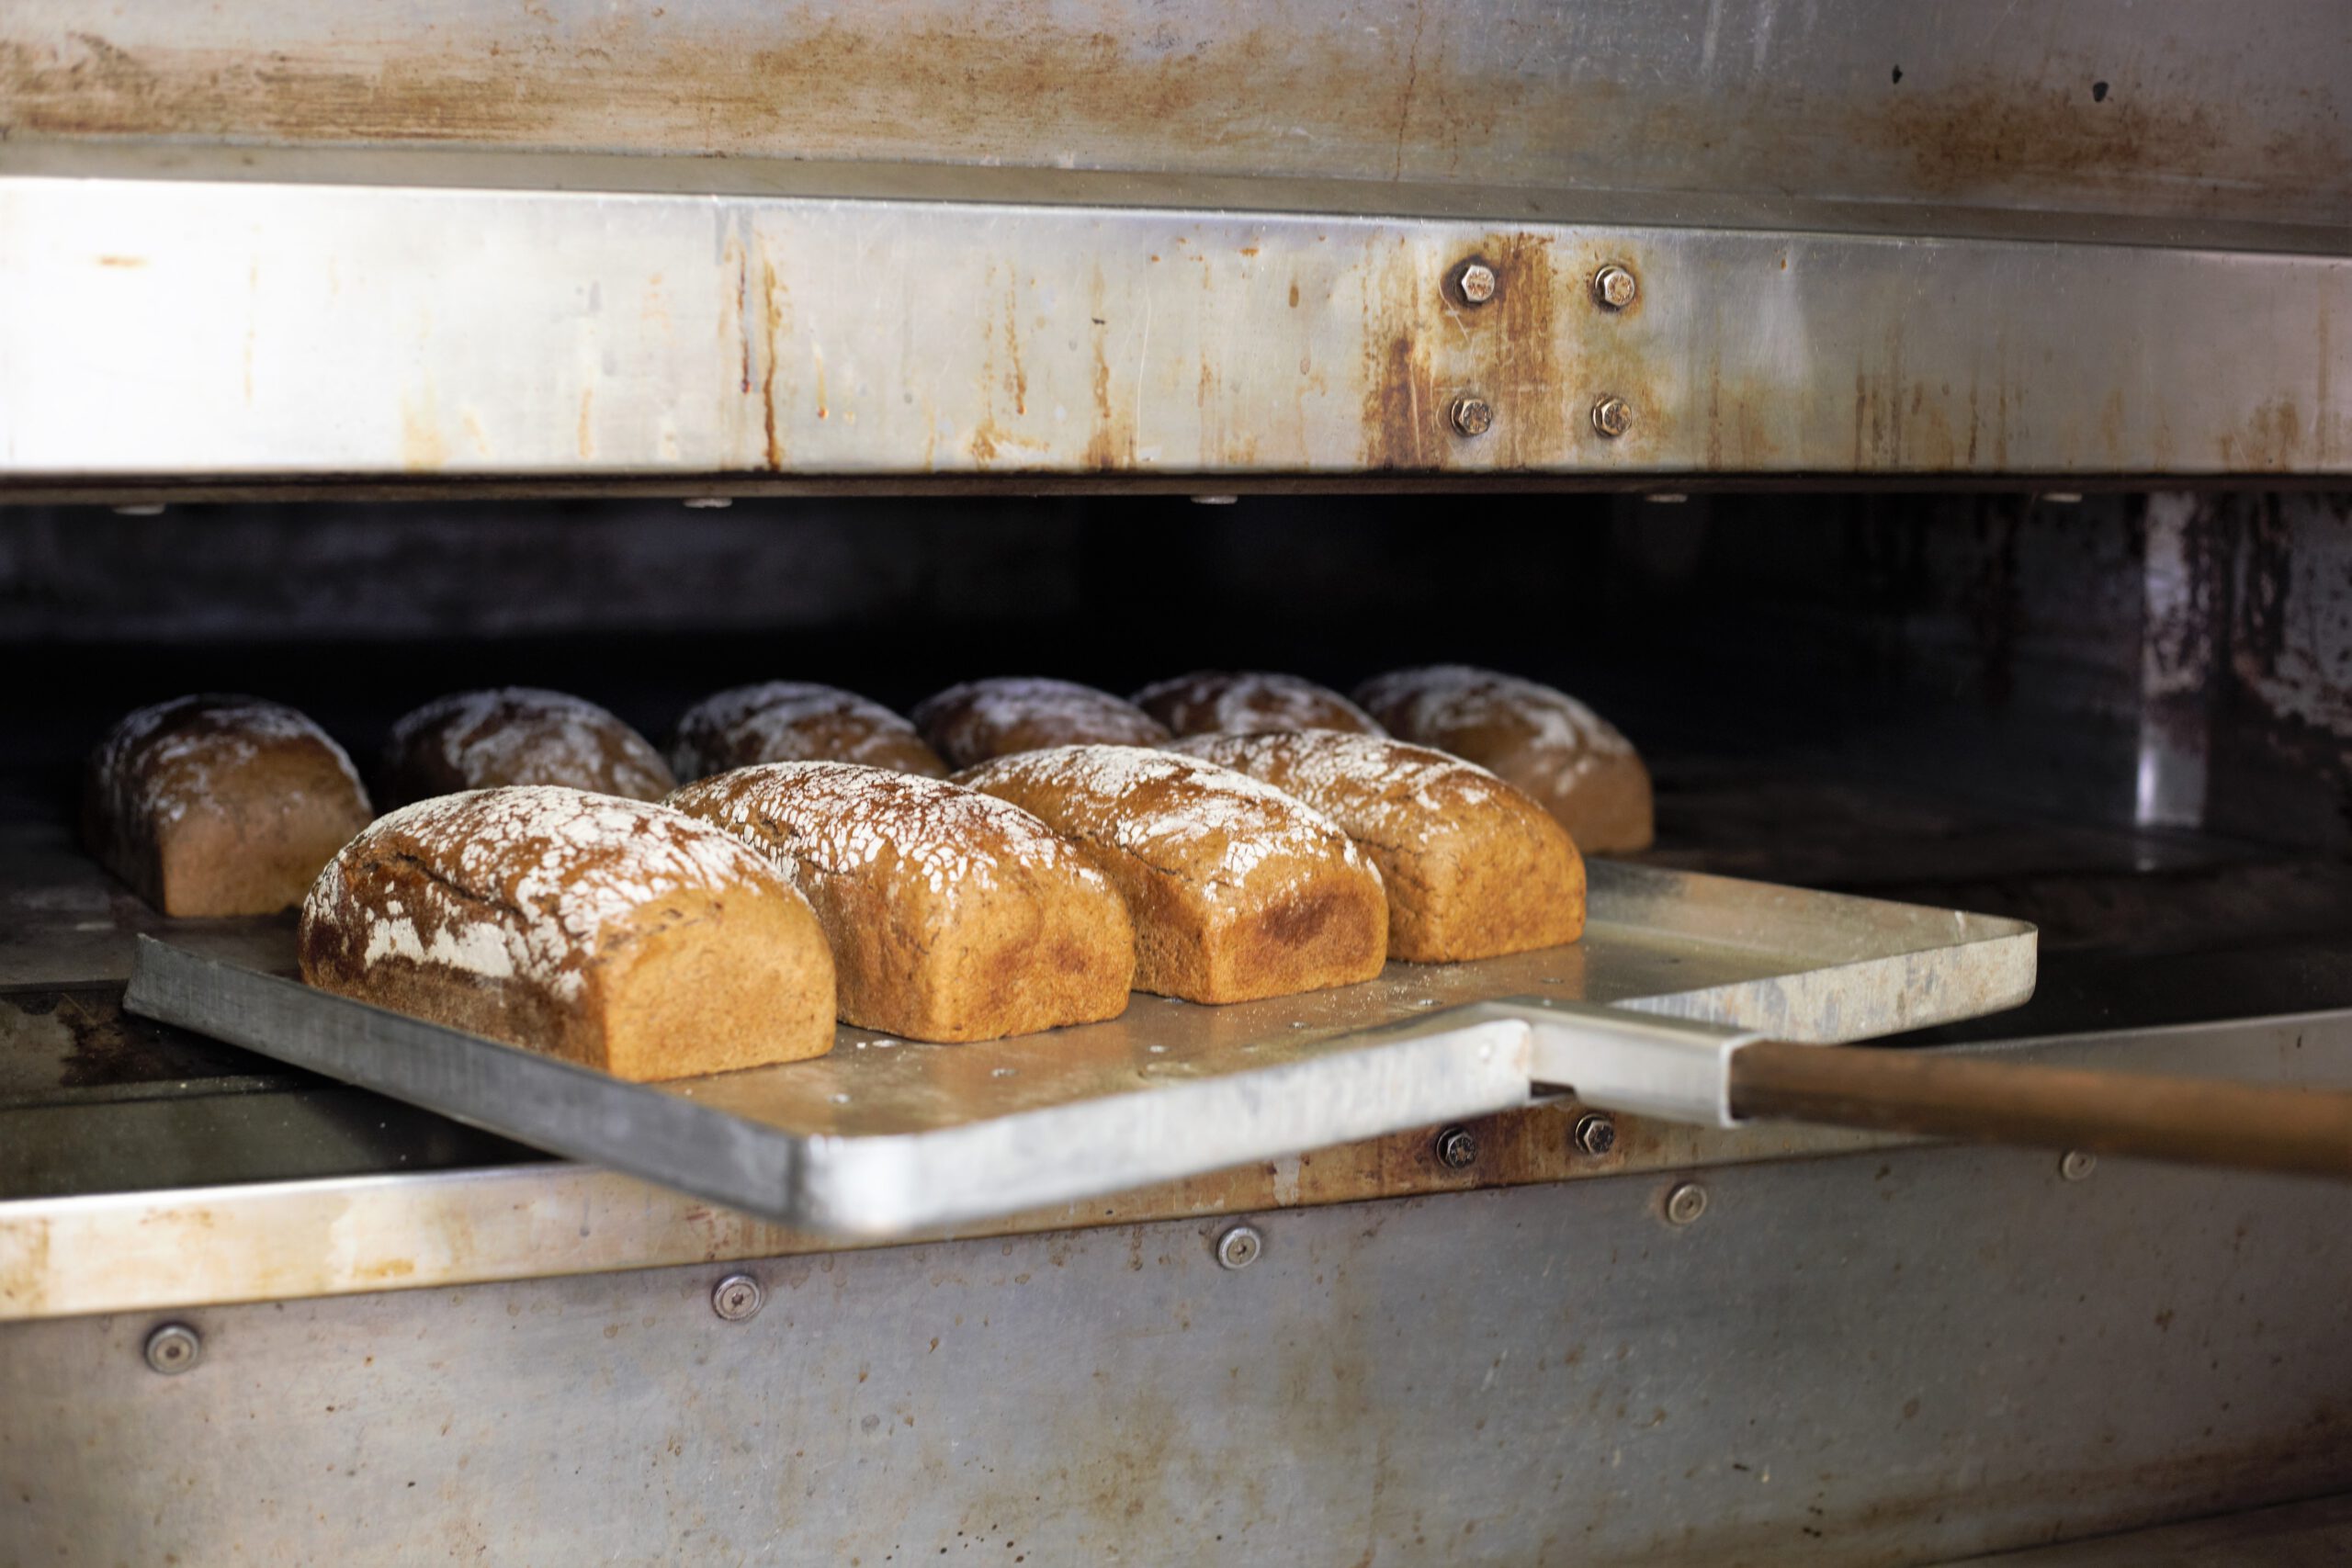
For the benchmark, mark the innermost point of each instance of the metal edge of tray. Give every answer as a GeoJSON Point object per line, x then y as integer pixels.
{"type": "Point", "coordinates": [1462, 1062]}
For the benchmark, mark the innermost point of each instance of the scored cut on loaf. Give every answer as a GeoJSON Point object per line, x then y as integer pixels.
{"type": "Point", "coordinates": [1474, 868]}
{"type": "Point", "coordinates": [970, 723]}
{"type": "Point", "coordinates": [1574, 763]}
{"type": "Point", "coordinates": [518, 735]}
{"type": "Point", "coordinates": [1211, 702]}
{"type": "Point", "coordinates": [796, 721]}
{"type": "Point", "coordinates": [611, 932]}
{"type": "Point", "coordinates": [1238, 891]}
{"type": "Point", "coordinates": [953, 915]}
{"type": "Point", "coordinates": [218, 804]}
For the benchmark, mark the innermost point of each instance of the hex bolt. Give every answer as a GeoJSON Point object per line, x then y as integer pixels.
{"type": "Point", "coordinates": [1686, 1203]}
{"type": "Point", "coordinates": [1457, 1148]}
{"type": "Point", "coordinates": [1477, 281]}
{"type": "Point", "coordinates": [738, 1298]}
{"type": "Point", "coordinates": [1596, 1133]}
{"type": "Point", "coordinates": [1239, 1247]}
{"type": "Point", "coordinates": [1614, 288]}
{"type": "Point", "coordinates": [2077, 1164]}
{"type": "Point", "coordinates": [1472, 417]}
{"type": "Point", "coordinates": [174, 1348]}
{"type": "Point", "coordinates": [1612, 417]}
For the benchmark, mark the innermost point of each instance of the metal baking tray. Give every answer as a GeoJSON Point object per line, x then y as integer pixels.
{"type": "Point", "coordinates": [884, 1137]}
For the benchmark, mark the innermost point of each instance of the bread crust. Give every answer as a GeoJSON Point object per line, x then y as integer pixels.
{"type": "Point", "coordinates": [216, 803]}
{"type": "Point", "coordinates": [1474, 868]}
{"type": "Point", "coordinates": [1236, 890]}
{"type": "Point", "coordinates": [1240, 702]}
{"type": "Point", "coordinates": [970, 723]}
{"type": "Point", "coordinates": [518, 735]}
{"type": "Point", "coordinates": [1574, 763]}
{"type": "Point", "coordinates": [795, 721]}
{"type": "Point", "coordinates": [610, 933]}
{"type": "Point", "coordinates": [953, 915]}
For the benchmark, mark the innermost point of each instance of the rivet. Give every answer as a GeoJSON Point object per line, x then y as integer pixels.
{"type": "Point", "coordinates": [1476, 282]}
{"type": "Point", "coordinates": [1596, 1133]}
{"type": "Point", "coordinates": [174, 1348]}
{"type": "Point", "coordinates": [1612, 417]}
{"type": "Point", "coordinates": [1472, 416]}
{"type": "Point", "coordinates": [1457, 1148]}
{"type": "Point", "coordinates": [2077, 1164]}
{"type": "Point", "coordinates": [1686, 1203]}
{"type": "Point", "coordinates": [1614, 287]}
{"type": "Point", "coordinates": [1239, 1247]}
{"type": "Point", "coordinates": [738, 1297]}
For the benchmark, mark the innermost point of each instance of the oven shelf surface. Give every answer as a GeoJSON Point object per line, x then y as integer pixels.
{"type": "Point", "coordinates": [884, 1137]}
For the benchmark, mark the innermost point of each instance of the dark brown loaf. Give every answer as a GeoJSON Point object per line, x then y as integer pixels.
{"type": "Point", "coordinates": [1474, 868]}
{"type": "Point", "coordinates": [519, 735]}
{"type": "Point", "coordinates": [953, 915]}
{"type": "Point", "coordinates": [219, 805]}
{"type": "Point", "coordinates": [1236, 890]}
{"type": "Point", "coordinates": [793, 721]}
{"type": "Point", "coordinates": [1573, 762]}
{"type": "Point", "coordinates": [609, 932]}
{"type": "Point", "coordinates": [1213, 701]}
{"type": "Point", "coordinates": [979, 719]}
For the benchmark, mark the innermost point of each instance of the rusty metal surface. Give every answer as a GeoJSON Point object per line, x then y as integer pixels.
{"type": "Point", "coordinates": [154, 1248]}
{"type": "Point", "coordinates": [2088, 107]}
{"type": "Point", "coordinates": [1896, 1358]}
{"type": "Point", "coordinates": [193, 329]}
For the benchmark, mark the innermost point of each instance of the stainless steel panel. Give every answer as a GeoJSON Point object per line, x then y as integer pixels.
{"type": "Point", "coordinates": [882, 1137]}
{"type": "Point", "coordinates": [243, 330]}
{"type": "Point", "coordinates": [2089, 104]}
{"type": "Point", "coordinates": [1898, 1358]}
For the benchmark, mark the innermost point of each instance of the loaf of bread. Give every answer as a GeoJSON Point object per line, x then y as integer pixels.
{"type": "Point", "coordinates": [518, 735]}
{"type": "Point", "coordinates": [953, 915]}
{"type": "Point", "coordinates": [1213, 701]}
{"type": "Point", "coordinates": [979, 719]}
{"type": "Point", "coordinates": [1238, 891]}
{"type": "Point", "coordinates": [607, 931]}
{"type": "Point", "coordinates": [1545, 741]}
{"type": "Point", "coordinates": [792, 721]}
{"type": "Point", "coordinates": [1474, 868]}
{"type": "Point", "coordinates": [218, 805]}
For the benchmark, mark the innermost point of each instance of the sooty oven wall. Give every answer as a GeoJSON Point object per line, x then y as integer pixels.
{"type": "Point", "coordinates": [1999, 647]}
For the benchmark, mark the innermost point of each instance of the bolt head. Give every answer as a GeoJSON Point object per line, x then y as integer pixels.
{"type": "Point", "coordinates": [1614, 287]}
{"type": "Point", "coordinates": [1477, 281]}
{"type": "Point", "coordinates": [1457, 1148]}
{"type": "Point", "coordinates": [738, 1297]}
{"type": "Point", "coordinates": [174, 1348]}
{"type": "Point", "coordinates": [1472, 416]}
{"type": "Point", "coordinates": [1596, 1133]}
{"type": "Point", "coordinates": [1686, 1203]}
{"type": "Point", "coordinates": [1612, 417]}
{"type": "Point", "coordinates": [2077, 1164]}
{"type": "Point", "coordinates": [1239, 1246]}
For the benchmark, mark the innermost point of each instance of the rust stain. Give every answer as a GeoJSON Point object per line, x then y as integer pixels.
{"type": "Point", "coordinates": [775, 306]}
{"type": "Point", "coordinates": [122, 261]}
{"type": "Point", "coordinates": [475, 433]}
{"type": "Point", "coordinates": [422, 449]}
{"type": "Point", "coordinates": [817, 366]}
{"type": "Point", "coordinates": [2268, 440]}
{"type": "Point", "coordinates": [1400, 391]}
{"type": "Point", "coordinates": [1110, 444]}
{"type": "Point", "coordinates": [1018, 384]}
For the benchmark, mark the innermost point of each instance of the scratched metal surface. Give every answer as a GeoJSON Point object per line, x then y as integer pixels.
{"type": "Point", "coordinates": [2085, 104]}
{"type": "Point", "coordinates": [1893, 1358]}
{"type": "Point", "coordinates": [259, 329]}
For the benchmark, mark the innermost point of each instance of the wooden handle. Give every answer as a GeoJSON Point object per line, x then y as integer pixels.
{"type": "Point", "coordinates": [2196, 1121]}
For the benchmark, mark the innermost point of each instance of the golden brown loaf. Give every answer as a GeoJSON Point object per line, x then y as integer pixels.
{"type": "Point", "coordinates": [1474, 868]}
{"type": "Point", "coordinates": [953, 915]}
{"type": "Point", "coordinates": [217, 805]}
{"type": "Point", "coordinates": [792, 721]}
{"type": "Point", "coordinates": [1545, 741]}
{"type": "Point", "coordinates": [519, 735]}
{"type": "Point", "coordinates": [1236, 890]}
{"type": "Point", "coordinates": [1213, 701]}
{"type": "Point", "coordinates": [606, 931]}
{"type": "Point", "coordinates": [979, 719]}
